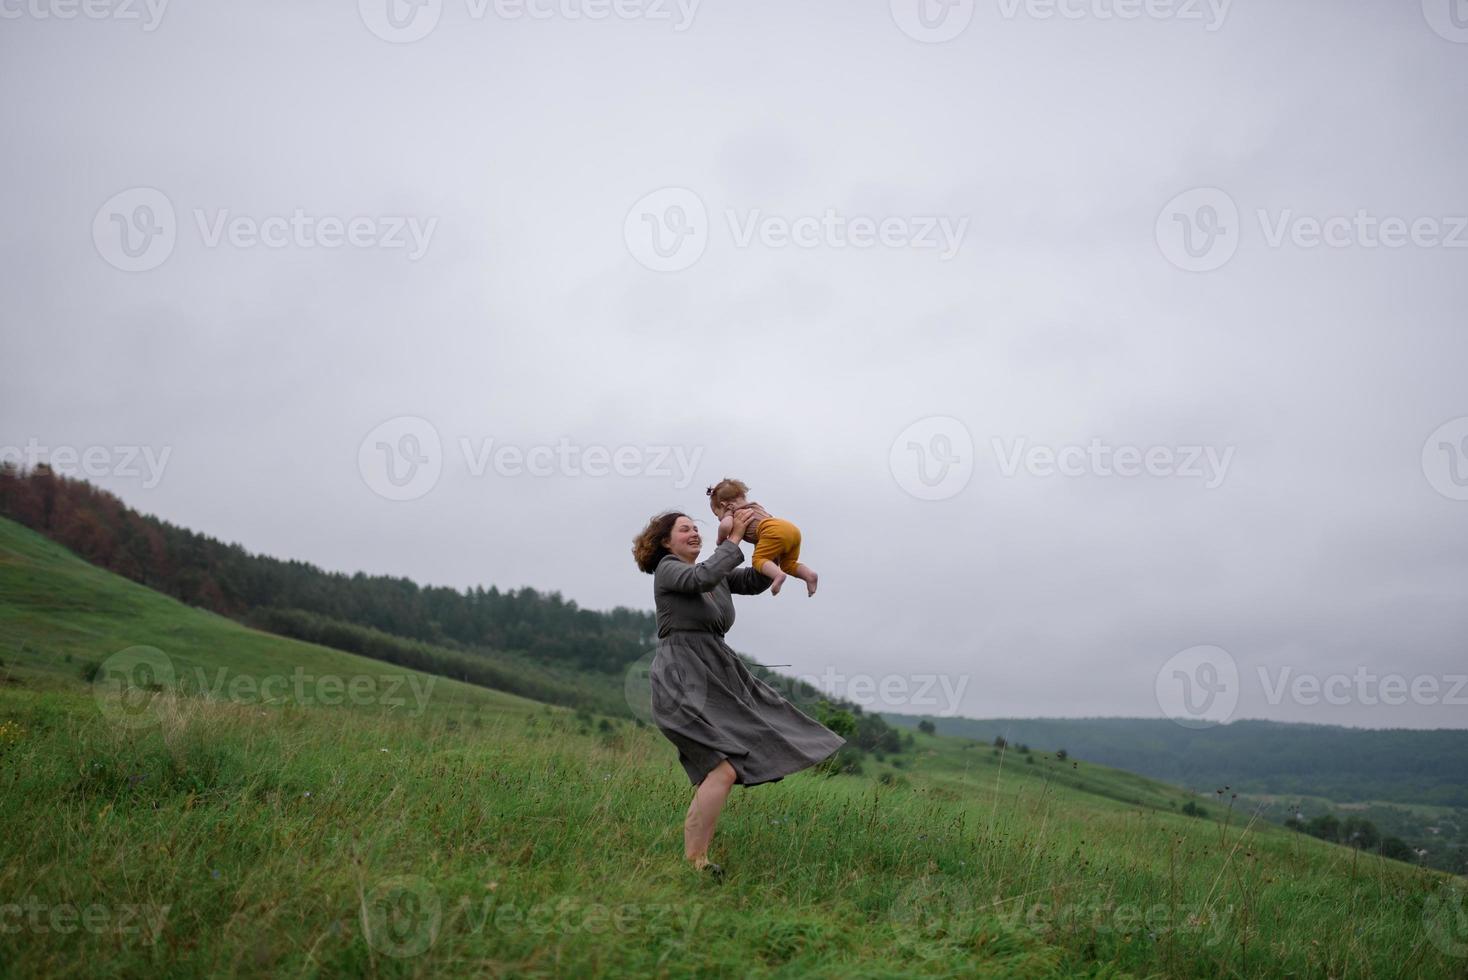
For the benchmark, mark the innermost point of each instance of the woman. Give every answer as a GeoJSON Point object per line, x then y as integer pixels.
{"type": "Point", "coordinates": [728, 725]}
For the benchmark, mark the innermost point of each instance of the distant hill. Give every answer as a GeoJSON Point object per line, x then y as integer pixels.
{"type": "Point", "coordinates": [1256, 757]}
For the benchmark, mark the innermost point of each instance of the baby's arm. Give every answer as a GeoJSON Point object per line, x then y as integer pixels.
{"type": "Point", "coordinates": [726, 524]}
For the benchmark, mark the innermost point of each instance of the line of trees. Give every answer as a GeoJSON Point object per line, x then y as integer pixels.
{"type": "Point", "coordinates": [494, 638]}
{"type": "Point", "coordinates": [1355, 832]}
{"type": "Point", "coordinates": [225, 578]}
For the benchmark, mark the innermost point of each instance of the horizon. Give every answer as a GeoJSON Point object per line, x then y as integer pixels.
{"type": "Point", "coordinates": [1233, 719]}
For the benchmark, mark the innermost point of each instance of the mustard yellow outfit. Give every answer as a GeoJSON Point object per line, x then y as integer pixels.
{"type": "Point", "coordinates": [774, 540]}
{"type": "Point", "coordinates": [779, 542]}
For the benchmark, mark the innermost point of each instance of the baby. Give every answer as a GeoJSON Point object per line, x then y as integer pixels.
{"type": "Point", "coordinates": [776, 542]}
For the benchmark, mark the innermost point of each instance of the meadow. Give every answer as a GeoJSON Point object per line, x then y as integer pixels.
{"type": "Point", "coordinates": [305, 813]}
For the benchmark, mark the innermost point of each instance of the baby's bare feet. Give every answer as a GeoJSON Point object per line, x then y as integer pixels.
{"type": "Point", "coordinates": [776, 582]}
{"type": "Point", "coordinates": [810, 584]}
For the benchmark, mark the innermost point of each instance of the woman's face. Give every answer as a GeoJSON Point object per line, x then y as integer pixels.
{"type": "Point", "coordinates": [684, 541]}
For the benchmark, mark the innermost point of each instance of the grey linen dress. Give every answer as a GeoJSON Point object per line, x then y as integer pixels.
{"type": "Point", "coordinates": [704, 699]}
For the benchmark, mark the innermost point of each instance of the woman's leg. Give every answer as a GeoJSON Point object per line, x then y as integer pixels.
{"type": "Point", "coordinates": [703, 813]}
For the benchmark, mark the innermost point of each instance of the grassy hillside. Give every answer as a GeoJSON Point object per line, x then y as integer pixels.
{"type": "Point", "coordinates": [1409, 784]}
{"type": "Point", "coordinates": [486, 834]}
{"type": "Point", "coordinates": [537, 645]}
{"type": "Point", "coordinates": [1345, 764]}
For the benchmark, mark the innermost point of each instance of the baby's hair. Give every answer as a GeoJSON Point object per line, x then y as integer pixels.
{"type": "Point", "coordinates": [724, 491]}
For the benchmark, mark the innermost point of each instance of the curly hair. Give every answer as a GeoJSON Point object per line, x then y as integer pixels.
{"type": "Point", "coordinates": [724, 491]}
{"type": "Point", "coordinates": [648, 548]}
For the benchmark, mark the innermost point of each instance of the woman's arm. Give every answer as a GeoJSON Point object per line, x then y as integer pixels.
{"type": "Point", "coordinates": [680, 576]}
{"type": "Point", "coordinates": [725, 526]}
{"type": "Point", "coordinates": [748, 581]}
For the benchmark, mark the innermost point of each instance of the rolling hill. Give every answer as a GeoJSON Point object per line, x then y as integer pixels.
{"type": "Point", "coordinates": [243, 829]}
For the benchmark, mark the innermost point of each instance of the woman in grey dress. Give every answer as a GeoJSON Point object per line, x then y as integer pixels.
{"type": "Point", "coordinates": [728, 725]}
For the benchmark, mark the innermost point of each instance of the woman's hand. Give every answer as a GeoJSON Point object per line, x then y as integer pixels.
{"type": "Point", "coordinates": [742, 518]}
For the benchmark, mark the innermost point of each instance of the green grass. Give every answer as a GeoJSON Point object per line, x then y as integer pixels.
{"type": "Point", "coordinates": [491, 835]}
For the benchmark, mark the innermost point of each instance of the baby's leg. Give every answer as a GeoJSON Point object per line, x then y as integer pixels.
{"type": "Point", "coordinates": [771, 571]}
{"type": "Point", "coordinates": [807, 575]}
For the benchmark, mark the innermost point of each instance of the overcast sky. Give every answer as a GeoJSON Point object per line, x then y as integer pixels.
{"type": "Point", "coordinates": [873, 260]}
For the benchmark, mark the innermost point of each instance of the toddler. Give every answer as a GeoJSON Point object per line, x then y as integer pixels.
{"type": "Point", "coordinates": [776, 542]}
